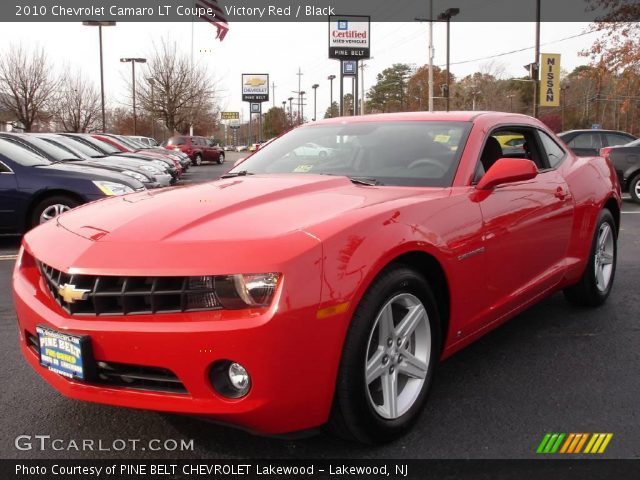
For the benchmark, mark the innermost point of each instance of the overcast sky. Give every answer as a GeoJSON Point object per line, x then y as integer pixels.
{"type": "Point", "coordinates": [280, 48]}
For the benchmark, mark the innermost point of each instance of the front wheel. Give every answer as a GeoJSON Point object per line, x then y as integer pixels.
{"type": "Point", "coordinates": [595, 284]}
{"type": "Point", "coordinates": [221, 159]}
{"type": "Point", "coordinates": [389, 356]}
{"type": "Point", "coordinates": [198, 160]}
{"type": "Point", "coordinates": [634, 188]}
{"type": "Point", "coordinates": [50, 208]}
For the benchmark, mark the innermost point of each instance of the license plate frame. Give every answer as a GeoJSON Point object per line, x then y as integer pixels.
{"type": "Point", "coordinates": [66, 354]}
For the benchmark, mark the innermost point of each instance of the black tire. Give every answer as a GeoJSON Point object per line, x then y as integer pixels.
{"type": "Point", "coordinates": [197, 160]}
{"type": "Point", "coordinates": [634, 188]}
{"type": "Point", "coordinates": [39, 209]}
{"type": "Point", "coordinates": [353, 417]}
{"type": "Point", "coordinates": [221, 159]}
{"type": "Point", "coordinates": [586, 293]}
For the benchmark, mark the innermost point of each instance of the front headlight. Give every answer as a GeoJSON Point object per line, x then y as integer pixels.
{"type": "Point", "coordinates": [136, 175]}
{"type": "Point", "coordinates": [160, 164]}
{"type": "Point", "coordinates": [232, 292]}
{"type": "Point", "coordinates": [151, 169]}
{"type": "Point", "coordinates": [111, 188]}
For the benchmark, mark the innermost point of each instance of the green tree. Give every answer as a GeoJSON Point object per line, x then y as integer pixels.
{"type": "Point", "coordinates": [332, 111]}
{"type": "Point", "coordinates": [389, 94]}
{"type": "Point", "coordinates": [275, 122]}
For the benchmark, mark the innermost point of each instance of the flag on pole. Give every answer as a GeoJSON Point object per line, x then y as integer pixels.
{"type": "Point", "coordinates": [217, 18]}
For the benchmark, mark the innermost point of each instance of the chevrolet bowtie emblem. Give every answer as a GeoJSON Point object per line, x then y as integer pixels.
{"type": "Point", "coordinates": [71, 294]}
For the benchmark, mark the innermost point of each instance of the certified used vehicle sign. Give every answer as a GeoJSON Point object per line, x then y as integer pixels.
{"type": "Point", "coordinates": [61, 353]}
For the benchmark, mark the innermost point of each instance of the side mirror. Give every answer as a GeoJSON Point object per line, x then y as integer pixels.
{"type": "Point", "coordinates": [508, 170]}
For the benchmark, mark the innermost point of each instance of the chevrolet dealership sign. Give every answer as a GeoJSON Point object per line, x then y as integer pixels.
{"type": "Point", "coordinates": [255, 87]}
{"type": "Point", "coordinates": [349, 37]}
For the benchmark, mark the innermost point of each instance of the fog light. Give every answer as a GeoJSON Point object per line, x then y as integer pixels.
{"type": "Point", "coordinates": [239, 377]}
{"type": "Point", "coordinates": [230, 379]}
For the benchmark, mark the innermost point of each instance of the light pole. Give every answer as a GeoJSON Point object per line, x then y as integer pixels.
{"type": "Point", "coordinates": [93, 23]}
{"type": "Point", "coordinates": [331, 78]}
{"type": "Point", "coordinates": [446, 15]}
{"type": "Point", "coordinates": [510, 97]}
{"type": "Point", "coordinates": [315, 99]}
{"type": "Point", "coordinates": [133, 62]}
{"type": "Point", "coordinates": [291, 110]}
{"type": "Point", "coordinates": [302, 94]}
{"type": "Point", "coordinates": [152, 82]}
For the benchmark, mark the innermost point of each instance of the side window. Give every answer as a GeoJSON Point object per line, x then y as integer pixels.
{"type": "Point", "coordinates": [509, 142]}
{"type": "Point", "coordinates": [554, 153]}
{"type": "Point", "coordinates": [4, 168]}
{"type": "Point", "coordinates": [586, 140]}
{"type": "Point", "coordinates": [614, 139]}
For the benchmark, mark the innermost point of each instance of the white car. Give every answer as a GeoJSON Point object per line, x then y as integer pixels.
{"type": "Point", "coordinates": [151, 142]}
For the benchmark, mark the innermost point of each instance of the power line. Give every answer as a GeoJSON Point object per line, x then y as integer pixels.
{"type": "Point", "coordinates": [520, 49]}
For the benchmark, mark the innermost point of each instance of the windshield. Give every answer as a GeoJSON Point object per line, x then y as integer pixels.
{"type": "Point", "coordinates": [391, 153]}
{"type": "Point", "coordinates": [21, 155]}
{"type": "Point", "coordinates": [78, 149]}
{"type": "Point", "coordinates": [103, 147]}
{"type": "Point", "coordinates": [53, 151]}
{"type": "Point", "coordinates": [130, 143]}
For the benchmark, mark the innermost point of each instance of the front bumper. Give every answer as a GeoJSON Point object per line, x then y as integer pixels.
{"type": "Point", "coordinates": [292, 371]}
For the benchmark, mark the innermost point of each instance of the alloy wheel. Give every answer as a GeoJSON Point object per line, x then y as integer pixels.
{"type": "Point", "coordinates": [53, 211]}
{"type": "Point", "coordinates": [398, 353]}
{"type": "Point", "coordinates": [604, 254]}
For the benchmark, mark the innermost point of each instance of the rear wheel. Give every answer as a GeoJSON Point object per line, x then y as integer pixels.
{"type": "Point", "coordinates": [221, 159]}
{"type": "Point", "coordinates": [198, 160]}
{"type": "Point", "coordinates": [388, 360]}
{"type": "Point", "coordinates": [50, 208]}
{"type": "Point", "coordinates": [595, 284]}
{"type": "Point", "coordinates": [634, 188]}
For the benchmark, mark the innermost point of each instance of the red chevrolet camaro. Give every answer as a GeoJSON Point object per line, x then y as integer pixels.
{"type": "Point", "coordinates": [319, 286]}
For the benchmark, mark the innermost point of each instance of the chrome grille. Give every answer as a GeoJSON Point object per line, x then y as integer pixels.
{"type": "Point", "coordinates": [117, 295]}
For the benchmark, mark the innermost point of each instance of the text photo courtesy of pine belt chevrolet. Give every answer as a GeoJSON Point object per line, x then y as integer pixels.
{"type": "Point", "coordinates": [332, 285]}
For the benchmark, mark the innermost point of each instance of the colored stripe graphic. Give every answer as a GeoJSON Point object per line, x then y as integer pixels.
{"type": "Point", "coordinates": [573, 443]}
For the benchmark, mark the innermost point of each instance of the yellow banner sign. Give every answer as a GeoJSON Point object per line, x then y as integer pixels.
{"type": "Point", "coordinates": [550, 80]}
{"type": "Point", "coordinates": [230, 115]}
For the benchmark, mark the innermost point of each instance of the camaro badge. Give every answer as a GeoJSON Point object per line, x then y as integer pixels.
{"type": "Point", "coordinates": [71, 294]}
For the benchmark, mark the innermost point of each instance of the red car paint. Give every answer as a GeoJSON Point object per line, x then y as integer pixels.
{"type": "Point", "coordinates": [500, 250]}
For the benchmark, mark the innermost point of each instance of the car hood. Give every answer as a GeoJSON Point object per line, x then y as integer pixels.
{"type": "Point", "coordinates": [235, 209]}
{"type": "Point", "coordinates": [89, 172]}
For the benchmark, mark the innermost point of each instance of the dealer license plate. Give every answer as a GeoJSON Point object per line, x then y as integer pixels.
{"type": "Point", "coordinates": [62, 353]}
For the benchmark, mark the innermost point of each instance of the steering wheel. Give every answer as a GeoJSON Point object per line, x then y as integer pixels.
{"type": "Point", "coordinates": [428, 161]}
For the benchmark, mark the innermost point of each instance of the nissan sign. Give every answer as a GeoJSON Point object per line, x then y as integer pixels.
{"type": "Point", "coordinates": [349, 37]}
{"type": "Point", "coordinates": [255, 87]}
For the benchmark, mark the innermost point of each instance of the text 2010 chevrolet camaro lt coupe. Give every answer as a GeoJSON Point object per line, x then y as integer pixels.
{"type": "Point", "coordinates": [319, 289]}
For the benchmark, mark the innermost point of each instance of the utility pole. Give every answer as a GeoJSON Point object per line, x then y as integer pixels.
{"type": "Point", "coordinates": [362, 67]}
{"type": "Point", "coordinates": [291, 110]}
{"type": "Point", "coordinates": [299, 90]}
{"type": "Point", "coordinates": [302, 107]}
{"type": "Point", "coordinates": [133, 62]}
{"type": "Point", "coordinates": [273, 93]}
{"type": "Point", "coordinates": [536, 79]}
{"type": "Point", "coordinates": [431, 53]}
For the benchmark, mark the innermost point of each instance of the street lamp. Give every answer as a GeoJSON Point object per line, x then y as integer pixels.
{"type": "Point", "coordinates": [291, 109]}
{"type": "Point", "coordinates": [331, 78]}
{"type": "Point", "coordinates": [93, 23]}
{"type": "Point", "coordinates": [152, 82]}
{"type": "Point", "coordinates": [446, 16]}
{"type": "Point", "coordinates": [315, 99]}
{"type": "Point", "coordinates": [133, 62]}
{"type": "Point", "coordinates": [301, 119]}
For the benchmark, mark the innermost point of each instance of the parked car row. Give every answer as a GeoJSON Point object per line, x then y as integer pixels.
{"type": "Point", "coordinates": [621, 148]}
{"type": "Point", "coordinates": [45, 174]}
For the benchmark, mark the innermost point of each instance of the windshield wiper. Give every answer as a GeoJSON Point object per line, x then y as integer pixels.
{"type": "Point", "coordinates": [370, 182]}
{"type": "Point", "coordinates": [241, 173]}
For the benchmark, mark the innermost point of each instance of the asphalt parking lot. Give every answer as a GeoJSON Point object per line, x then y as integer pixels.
{"type": "Point", "coordinates": [554, 368]}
